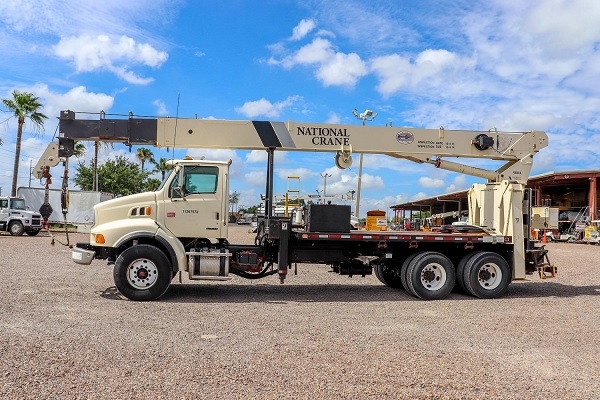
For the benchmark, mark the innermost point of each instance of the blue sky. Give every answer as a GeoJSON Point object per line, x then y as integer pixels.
{"type": "Point", "coordinates": [510, 65]}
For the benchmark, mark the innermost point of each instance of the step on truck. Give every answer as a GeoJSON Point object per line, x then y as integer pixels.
{"type": "Point", "coordinates": [182, 227]}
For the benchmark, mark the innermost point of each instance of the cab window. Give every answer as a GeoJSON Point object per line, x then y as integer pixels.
{"type": "Point", "coordinates": [197, 180]}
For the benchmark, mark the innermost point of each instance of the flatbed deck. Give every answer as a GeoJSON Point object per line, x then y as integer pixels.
{"type": "Point", "coordinates": [403, 236]}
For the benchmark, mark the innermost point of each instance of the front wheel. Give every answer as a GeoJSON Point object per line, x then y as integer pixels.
{"type": "Point", "coordinates": [486, 275]}
{"type": "Point", "coordinates": [142, 273]}
{"type": "Point", "coordinates": [15, 228]}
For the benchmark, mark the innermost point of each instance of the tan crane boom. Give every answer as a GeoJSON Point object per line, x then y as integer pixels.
{"type": "Point", "coordinates": [415, 144]}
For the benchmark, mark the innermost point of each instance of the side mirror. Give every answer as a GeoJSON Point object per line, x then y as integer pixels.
{"type": "Point", "coordinates": [177, 192]}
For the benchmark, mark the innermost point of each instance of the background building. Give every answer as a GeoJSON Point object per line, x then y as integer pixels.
{"type": "Point", "coordinates": [575, 193]}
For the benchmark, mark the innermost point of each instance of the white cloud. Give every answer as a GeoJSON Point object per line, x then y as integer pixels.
{"type": "Point", "coordinates": [256, 179]}
{"type": "Point", "coordinates": [264, 107]}
{"type": "Point", "coordinates": [333, 118]}
{"type": "Point", "coordinates": [430, 183]}
{"type": "Point", "coordinates": [332, 68]}
{"type": "Point", "coordinates": [102, 52]}
{"type": "Point", "coordinates": [430, 68]}
{"type": "Point", "coordinates": [302, 173]}
{"type": "Point", "coordinates": [458, 183]}
{"type": "Point", "coordinates": [77, 97]}
{"type": "Point", "coordinates": [418, 196]}
{"type": "Point", "coordinates": [64, 17]}
{"type": "Point", "coordinates": [383, 204]}
{"type": "Point", "coordinates": [161, 107]}
{"type": "Point", "coordinates": [302, 29]}
{"type": "Point", "coordinates": [342, 70]}
{"type": "Point", "coordinates": [236, 168]}
{"type": "Point", "coordinates": [256, 156]}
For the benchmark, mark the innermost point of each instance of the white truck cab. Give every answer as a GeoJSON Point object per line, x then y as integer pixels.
{"type": "Point", "coordinates": [16, 218]}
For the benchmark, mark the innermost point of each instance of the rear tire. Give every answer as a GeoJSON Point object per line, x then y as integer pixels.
{"type": "Point", "coordinates": [460, 280]}
{"type": "Point", "coordinates": [142, 273]}
{"type": "Point", "coordinates": [389, 275]}
{"type": "Point", "coordinates": [15, 228]}
{"type": "Point", "coordinates": [486, 275]}
{"type": "Point", "coordinates": [431, 276]}
{"type": "Point", "coordinates": [403, 270]}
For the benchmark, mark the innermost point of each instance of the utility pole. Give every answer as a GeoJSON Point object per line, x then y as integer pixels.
{"type": "Point", "coordinates": [30, 168]}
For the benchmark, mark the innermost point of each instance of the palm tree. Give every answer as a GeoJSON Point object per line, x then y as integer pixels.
{"type": "Point", "coordinates": [79, 149]}
{"type": "Point", "coordinates": [24, 106]}
{"type": "Point", "coordinates": [143, 154]}
{"type": "Point", "coordinates": [107, 146]}
{"type": "Point", "coordinates": [162, 167]}
{"type": "Point", "coordinates": [234, 198]}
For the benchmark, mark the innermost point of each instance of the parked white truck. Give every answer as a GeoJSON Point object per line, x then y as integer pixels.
{"type": "Point", "coordinates": [16, 218]}
{"type": "Point", "coordinates": [183, 225]}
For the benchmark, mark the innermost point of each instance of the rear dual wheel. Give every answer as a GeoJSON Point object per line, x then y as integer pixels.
{"type": "Point", "coordinates": [388, 274]}
{"type": "Point", "coordinates": [484, 274]}
{"type": "Point", "coordinates": [428, 275]}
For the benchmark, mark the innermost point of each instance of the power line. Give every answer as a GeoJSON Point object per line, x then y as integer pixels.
{"type": "Point", "coordinates": [22, 155]}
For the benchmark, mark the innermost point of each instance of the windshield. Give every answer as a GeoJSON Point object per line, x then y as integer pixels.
{"type": "Point", "coordinates": [18, 204]}
{"type": "Point", "coordinates": [167, 175]}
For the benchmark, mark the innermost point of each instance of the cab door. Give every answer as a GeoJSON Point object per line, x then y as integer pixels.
{"type": "Point", "coordinates": [195, 205]}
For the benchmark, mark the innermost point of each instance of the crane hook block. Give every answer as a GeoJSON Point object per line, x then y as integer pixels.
{"type": "Point", "coordinates": [483, 142]}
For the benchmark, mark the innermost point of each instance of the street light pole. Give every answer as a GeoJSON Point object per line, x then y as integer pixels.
{"type": "Point", "coordinates": [325, 176]}
{"type": "Point", "coordinates": [368, 115]}
{"type": "Point", "coordinates": [360, 164]}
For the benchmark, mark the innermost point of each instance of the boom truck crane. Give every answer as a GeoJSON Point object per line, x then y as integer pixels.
{"type": "Point", "coordinates": [183, 225]}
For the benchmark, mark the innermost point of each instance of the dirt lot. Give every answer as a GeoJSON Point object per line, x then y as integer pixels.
{"type": "Point", "coordinates": [66, 333]}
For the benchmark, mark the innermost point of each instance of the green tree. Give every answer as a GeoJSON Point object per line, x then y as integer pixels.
{"type": "Point", "coordinates": [120, 177]}
{"type": "Point", "coordinates": [79, 149]}
{"type": "Point", "coordinates": [143, 154]}
{"type": "Point", "coordinates": [151, 184]}
{"type": "Point", "coordinates": [234, 198]}
{"type": "Point", "coordinates": [253, 209]}
{"type": "Point", "coordinates": [24, 106]}
{"type": "Point", "coordinates": [107, 146]}
{"type": "Point", "coordinates": [162, 167]}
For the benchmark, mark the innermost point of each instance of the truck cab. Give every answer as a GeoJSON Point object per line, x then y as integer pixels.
{"type": "Point", "coordinates": [16, 218]}
{"type": "Point", "coordinates": [191, 202]}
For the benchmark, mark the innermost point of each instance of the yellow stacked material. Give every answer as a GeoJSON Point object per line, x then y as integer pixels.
{"type": "Point", "coordinates": [376, 220]}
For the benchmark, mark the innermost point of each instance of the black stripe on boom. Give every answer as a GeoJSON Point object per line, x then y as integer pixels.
{"type": "Point", "coordinates": [266, 133]}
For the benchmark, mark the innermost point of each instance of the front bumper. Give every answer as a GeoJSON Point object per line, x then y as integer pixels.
{"type": "Point", "coordinates": [82, 256]}
{"type": "Point", "coordinates": [84, 253]}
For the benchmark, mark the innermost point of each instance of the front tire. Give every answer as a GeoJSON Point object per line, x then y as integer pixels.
{"type": "Point", "coordinates": [486, 275]}
{"type": "Point", "coordinates": [15, 228]}
{"type": "Point", "coordinates": [142, 273]}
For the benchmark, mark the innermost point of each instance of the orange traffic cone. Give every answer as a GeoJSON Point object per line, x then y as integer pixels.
{"type": "Point", "coordinates": [544, 238]}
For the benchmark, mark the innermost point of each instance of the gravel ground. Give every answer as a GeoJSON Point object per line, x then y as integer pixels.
{"type": "Point", "coordinates": [66, 333]}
